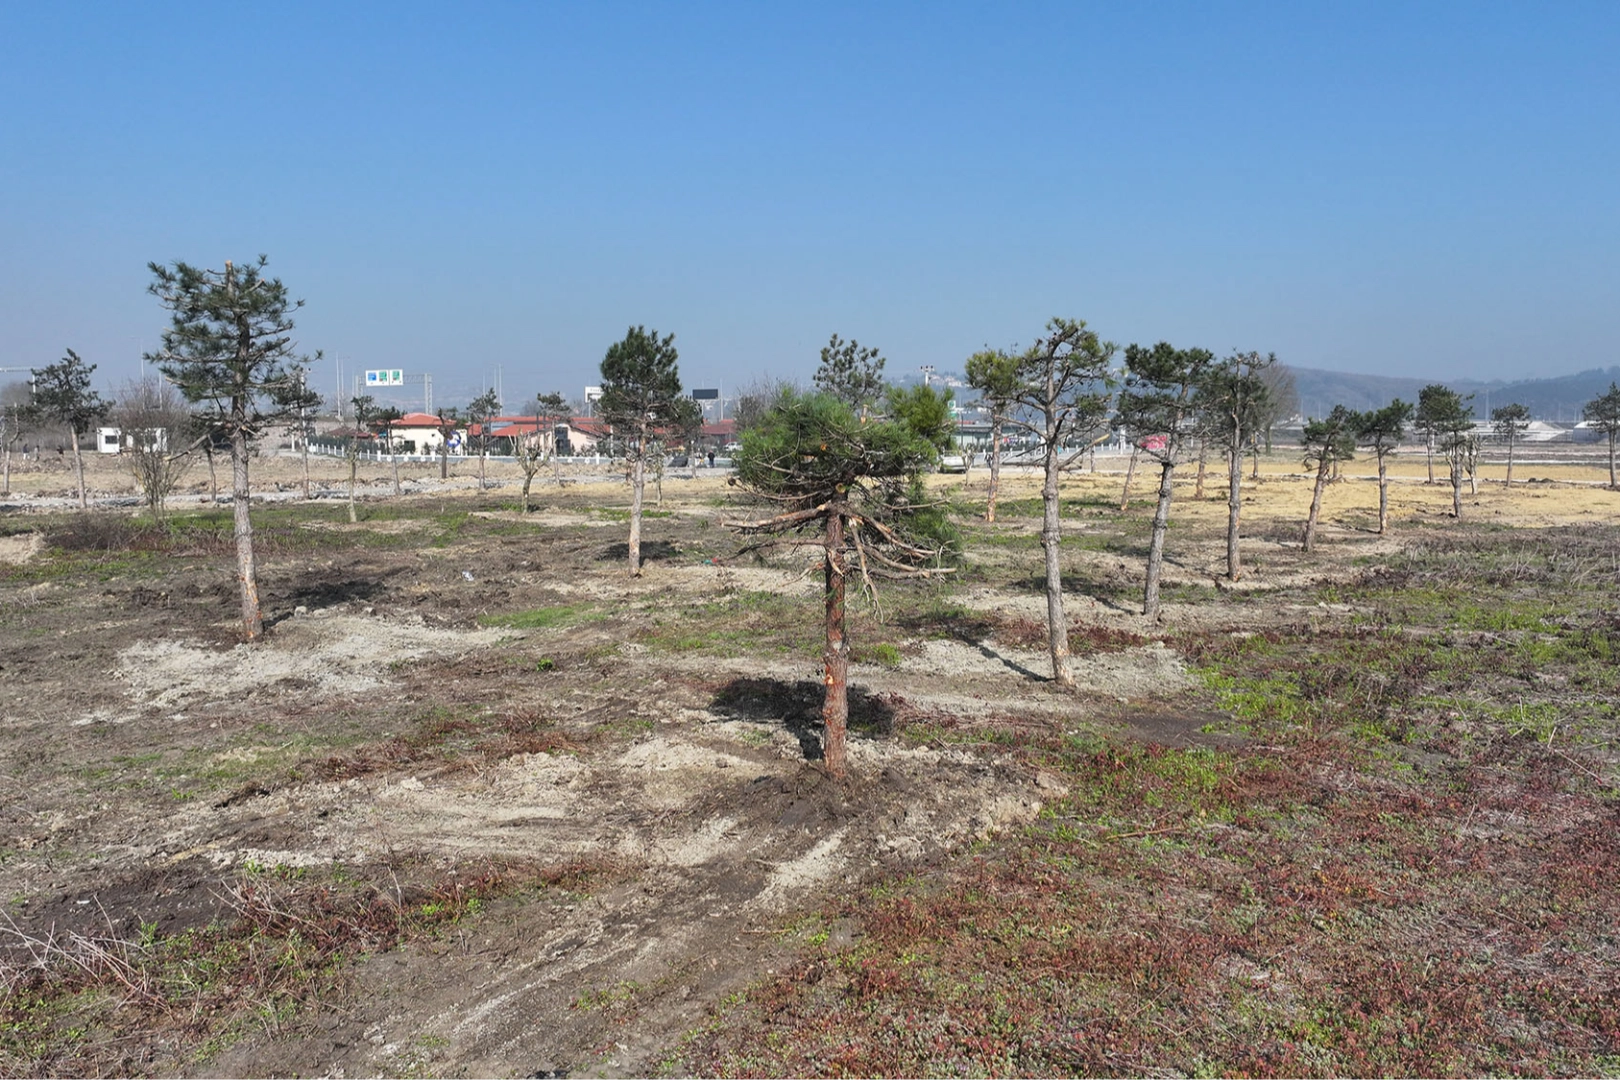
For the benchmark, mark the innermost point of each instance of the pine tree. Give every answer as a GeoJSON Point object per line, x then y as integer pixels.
{"type": "Point", "coordinates": [1327, 442]}
{"type": "Point", "coordinates": [1383, 429]}
{"type": "Point", "coordinates": [230, 351]}
{"type": "Point", "coordinates": [640, 387]}
{"type": "Point", "coordinates": [62, 395]}
{"type": "Point", "coordinates": [855, 482]}
{"type": "Point", "coordinates": [1157, 407]}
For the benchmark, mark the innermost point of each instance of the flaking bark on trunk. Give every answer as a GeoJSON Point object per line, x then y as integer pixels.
{"type": "Point", "coordinates": [1051, 535]}
{"type": "Point", "coordinates": [246, 572]}
{"type": "Point", "coordinates": [1234, 510]}
{"type": "Point", "coordinates": [78, 467]}
{"type": "Point", "coordinates": [1383, 496]}
{"type": "Point", "coordinates": [995, 470]}
{"type": "Point", "coordinates": [1161, 525]}
{"type": "Point", "coordinates": [1130, 471]}
{"type": "Point", "coordinates": [354, 467]}
{"type": "Point", "coordinates": [1316, 505]}
{"type": "Point", "coordinates": [835, 655]}
{"type": "Point", "coordinates": [638, 485]}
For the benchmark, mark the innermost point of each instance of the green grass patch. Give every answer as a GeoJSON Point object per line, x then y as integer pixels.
{"type": "Point", "coordinates": [545, 618]}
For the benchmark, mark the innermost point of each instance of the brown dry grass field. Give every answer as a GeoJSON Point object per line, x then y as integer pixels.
{"type": "Point", "coordinates": [481, 804]}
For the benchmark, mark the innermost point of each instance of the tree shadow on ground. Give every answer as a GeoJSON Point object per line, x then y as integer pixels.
{"type": "Point", "coordinates": [651, 551]}
{"type": "Point", "coordinates": [797, 707]}
{"type": "Point", "coordinates": [1114, 594]}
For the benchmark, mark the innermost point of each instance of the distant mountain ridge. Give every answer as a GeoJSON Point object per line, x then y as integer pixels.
{"type": "Point", "coordinates": [1556, 399]}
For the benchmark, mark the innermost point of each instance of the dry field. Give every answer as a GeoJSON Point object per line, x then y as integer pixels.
{"type": "Point", "coordinates": [483, 805]}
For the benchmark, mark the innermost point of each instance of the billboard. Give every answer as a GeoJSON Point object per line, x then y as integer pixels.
{"type": "Point", "coordinates": [386, 377]}
{"type": "Point", "coordinates": [706, 395]}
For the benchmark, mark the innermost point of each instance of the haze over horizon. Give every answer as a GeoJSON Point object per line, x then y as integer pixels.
{"type": "Point", "coordinates": [1384, 189]}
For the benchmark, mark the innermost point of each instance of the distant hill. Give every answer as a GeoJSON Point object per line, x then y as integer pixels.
{"type": "Point", "coordinates": [1557, 398]}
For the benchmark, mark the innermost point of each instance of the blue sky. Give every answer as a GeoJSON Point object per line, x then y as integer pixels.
{"type": "Point", "coordinates": [1399, 189]}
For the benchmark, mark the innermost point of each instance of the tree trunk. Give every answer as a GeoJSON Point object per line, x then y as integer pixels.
{"type": "Point", "coordinates": [393, 455]}
{"type": "Point", "coordinates": [1254, 450]}
{"type": "Point", "coordinates": [6, 489]}
{"type": "Point", "coordinates": [638, 485]}
{"type": "Point", "coordinates": [995, 470]}
{"type": "Point", "coordinates": [1234, 509]}
{"type": "Point", "coordinates": [480, 467]}
{"type": "Point", "coordinates": [1428, 453]}
{"type": "Point", "coordinates": [1456, 487]}
{"type": "Point", "coordinates": [835, 655]}
{"type": "Point", "coordinates": [1130, 471]}
{"type": "Point", "coordinates": [354, 464]}
{"type": "Point", "coordinates": [1051, 533]}
{"type": "Point", "coordinates": [1612, 483]}
{"type": "Point", "coordinates": [444, 459]}
{"type": "Point", "coordinates": [1383, 495]}
{"type": "Point", "coordinates": [213, 479]}
{"type": "Point", "coordinates": [1316, 505]}
{"type": "Point", "coordinates": [246, 573]}
{"type": "Point", "coordinates": [78, 467]}
{"type": "Point", "coordinates": [1203, 460]}
{"type": "Point", "coordinates": [1510, 461]}
{"type": "Point", "coordinates": [306, 466]}
{"type": "Point", "coordinates": [1161, 524]}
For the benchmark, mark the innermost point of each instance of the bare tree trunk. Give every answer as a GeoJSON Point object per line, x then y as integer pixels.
{"type": "Point", "coordinates": [306, 466]}
{"type": "Point", "coordinates": [835, 655]}
{"type": "Point", "coordinates": [1612, 483]}
{"type": "Point", "coordinates": [1051, 533]}
{"type": "Point", "coordinates": [528, 481]}
{"type": "Point", "coordinates": [394, 457]}
{"type": "Point", "coordinates": [1511, 440]}
{"type": "Point", "coordinates": [1316, 505]}
{"type": "Point", "coordinates": [354, 464]}
{"type": "Point", "coordinates": [1383, 495]}
{"type": "Point", "coordinates": [213, 479]}
{"type": "Point", "coordinates": [1234, 509]}
{"type": "Point", "coordinates": [6, 489]}
{"type": "Point", "coordinates": [480, 467]}
{"type": "Point", "coordinates": [638, 485]}
{"type": "Point", "coordinates": [1161, 524]}
{"type": "Point", "coordinates": [1203, 461]}
{"type": "Point", "coordinates": [78, 467]}
{"type": "Point", "coordinates": [1428, 453]}
{"type": "Point", "coordinates": [444, 460]}
{"type": "Point", "coordinates": [1254, 452]}
{"type": "Point", "coordinates": [1456, 487]}
{"type": "Point", "coordinates": [1130, 471]}
{"type": "Point", "coordinates": [995, 469]}
{"type": "Point", "coordinates": [246, 573]}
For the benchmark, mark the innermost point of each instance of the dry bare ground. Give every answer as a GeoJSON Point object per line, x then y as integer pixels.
{"type": "Point", "coordinates": [482, 805]}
